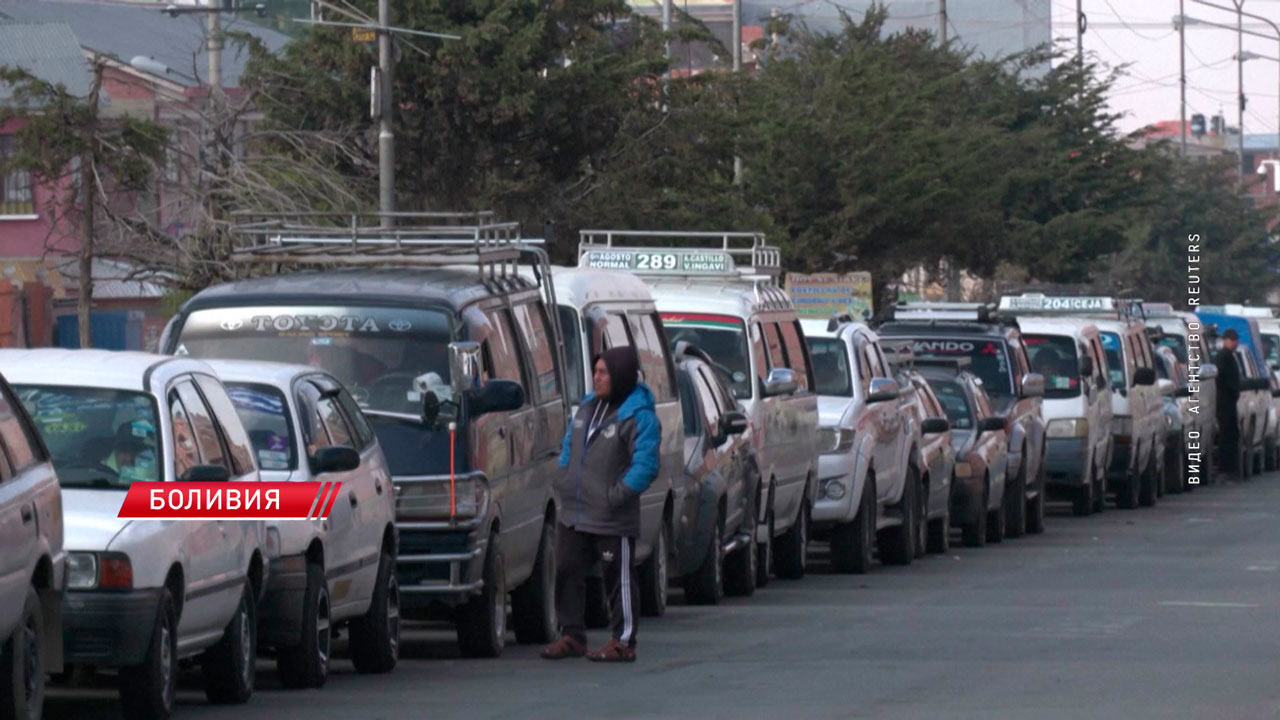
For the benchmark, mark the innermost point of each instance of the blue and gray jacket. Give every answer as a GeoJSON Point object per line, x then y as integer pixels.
{"type": "Point", "coordinates": [607, 472]}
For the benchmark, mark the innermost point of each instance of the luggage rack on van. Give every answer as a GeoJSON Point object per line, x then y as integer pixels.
{"type": "Point", "coordinates": [690, 255]}
{"type": "Point", "coordinates": [953, 311]}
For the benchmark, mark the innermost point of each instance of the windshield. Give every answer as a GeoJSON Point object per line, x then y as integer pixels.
{"type": "Point", "coordinates": [720, 336]}
{"type": "Point", "coordinates": [954, 402]}
{"type": "Point", "coordinates": [387, 357]}
{"type": "Point", "coordinates": [98, 438]}
{"type": "Point", "coordinates": [265, 416]}
{"type": "Point", "coordinates": [1271, 350]}
{"type": "Point", "coordinates": [1178, 344]}
{"type": "Point", "coordinates": [572, 330]}
{"type": "Point", "coordinates": [831, 366]}
{"type": "Point", "coordinates": [1055, 357]}
{"type": "Point", "coordinates": [1115, 363]}
{"type": "Point", "coordinates": [987, 359]}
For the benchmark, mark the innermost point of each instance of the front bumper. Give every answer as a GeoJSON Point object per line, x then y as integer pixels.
{"type": "Point", "coordinates": [836, 468]}
{"type": "Point", "coordinates": [439, 565]}
{"type": "Point", "coordinates": [966, 501]}
{"type": "Point", "coordinates": [280, 612]}
{"type": "Point", "coordinates": [109, 629]}
{"type": "Point", "coordinates": [1066, 461]}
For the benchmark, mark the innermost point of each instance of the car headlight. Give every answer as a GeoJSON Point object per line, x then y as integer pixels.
{"type": "Point", "coordinates": [82, 571]}
{"type": "Point", "coordinates": [835, 439]}
{"type": "Point", "coordinates": [964, 470]}
{"type": "Point", "coordinates": [1068, 428]}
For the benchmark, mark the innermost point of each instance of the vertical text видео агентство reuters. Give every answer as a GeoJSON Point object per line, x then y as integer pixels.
{"type": "Point", "coordinates": [1195, 349]}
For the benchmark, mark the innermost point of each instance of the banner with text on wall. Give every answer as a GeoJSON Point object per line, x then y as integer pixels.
{"type": "Point", "coordinates": [821, 295]}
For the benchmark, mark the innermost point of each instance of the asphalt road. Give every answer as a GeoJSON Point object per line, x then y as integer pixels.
{"type": "Point", "coordinates": [1148, 614]}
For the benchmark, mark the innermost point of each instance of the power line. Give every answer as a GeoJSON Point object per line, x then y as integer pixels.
{"type": "Point", "coordinates": [1129, 27]}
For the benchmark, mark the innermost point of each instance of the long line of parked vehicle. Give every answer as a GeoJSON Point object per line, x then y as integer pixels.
{"type": "Point", "coordinates": [397, 349]}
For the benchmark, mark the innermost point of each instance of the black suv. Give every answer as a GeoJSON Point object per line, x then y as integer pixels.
{"type": "Point", "coordinates": [998, 357]}
{"type": "Point", "coordinates": [453, 357]}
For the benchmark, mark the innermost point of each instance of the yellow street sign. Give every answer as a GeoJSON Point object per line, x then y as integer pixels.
{"type": "Point", "coordinates": [363, 35]}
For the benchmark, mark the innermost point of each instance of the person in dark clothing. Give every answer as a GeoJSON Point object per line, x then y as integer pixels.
{"type": "Point", "coordinates": [610, 453]}
{"type": "Point", "coordinates": [1228, 394]}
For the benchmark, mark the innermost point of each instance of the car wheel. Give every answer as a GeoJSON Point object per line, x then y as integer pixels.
{"type": "Point", "coordinates": [533, 604]}
{"type": "Point", "coordinates": [974, 534]}
{"type": "Point", "coordinates": [147, 690]}
{"type": "Point", "coordinates": [764, 552]}
{"type": "Point", "coordinates": [1127, 492]}
{"type": "Point", "coordinates": [1035, 507]}
{"type": "Point", "coordinates": [482, 622]}
{"type": "Point", "coordinates": [852, 543]}
{"type": "Point", "coordinates": [740, 568]}
{"type": "Point", "coordinates": [22, 664]}
{"type": "Point", "coordinates": [793, 546]}
{"type": "Point", "coordinates": [1015, 503]}
{"type": "Point", "coordinates": [897, 544]}
{"type": "Point", "coordinates": [940, 532]}
{"type": "Point", "coordinates": [1175, 477]}
{"type": "Point", "coordinates": [997, 522]}
{"type": "Point", "coordinates": [922, 515]}
{"type": "Point", "coordinates": [375, 638]}
{"type": "Point", "coordinates": [229, 666]}
{"type": "Point", "coordinates": [1147, 489]}
{"type": "Point", "coordinates": [654, 576]}
{"type": "Point", "coordinates": [1100, 491]}
{"type": "Point", "coordinates": [306, 665]}
{"type": "Point", "coordinates": [705, 586]}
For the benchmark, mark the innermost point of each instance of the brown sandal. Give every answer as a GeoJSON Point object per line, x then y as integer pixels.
{"type": "Point", "coordinates": [565, 647]}
{"type": "Point", "coordinates": [615, 651]}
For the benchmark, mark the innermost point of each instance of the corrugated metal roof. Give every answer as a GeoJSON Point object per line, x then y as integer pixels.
{"type": "Point", "coordinates": [110, 280]}
{"type": "Point", "coordinates": [48, 50]}
{"type": "Point", "coordinates": [126, 31]}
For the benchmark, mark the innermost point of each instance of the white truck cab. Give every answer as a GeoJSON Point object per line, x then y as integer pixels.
{"type": "Point", "coordinates": [324, 573]}
{"type": "Point", "coordinates": [144, 594]}
{"type": "Point", "coordinates": [1077, 405]}
{"type": "Point", "coordinates": [745, 322]}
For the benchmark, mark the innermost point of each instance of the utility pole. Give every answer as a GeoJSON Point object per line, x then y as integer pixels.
{"type": "Point", "coordinates": [942, 22]}
{"type": "Point", "coordinates": [1182, 73]}
{"type": "Point", "coordinates": [1240, 82]}
{"type": "Point", "coordinates": [386, 133]}
{"type": "Point", "coordinates": [737, 67]}
{"type": "Point", "coordinates": [666, 30]}
{"type": "Point", "coordinates": [955, 292]}
{"type": "Point", "coordinates": [1080, 25]}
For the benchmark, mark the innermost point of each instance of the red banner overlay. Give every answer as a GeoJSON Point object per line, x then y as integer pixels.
{"type": "Point", "coordinates": [230, 500]}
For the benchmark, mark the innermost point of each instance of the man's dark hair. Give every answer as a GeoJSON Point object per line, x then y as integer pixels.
{"type": "Point", "coordinates": [1230, 334]}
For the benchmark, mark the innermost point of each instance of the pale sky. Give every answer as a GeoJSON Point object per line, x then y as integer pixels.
{"type": "Point", "coordinates": [1149, 92]}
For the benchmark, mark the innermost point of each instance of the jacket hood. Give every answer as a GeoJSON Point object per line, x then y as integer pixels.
{"type": "Point", "coordinates": [640, 399]}
{"type": "Point", "coordinates": [624, 371]}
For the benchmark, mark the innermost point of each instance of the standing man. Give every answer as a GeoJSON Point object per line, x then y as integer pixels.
{"type": "Point", "coordinates": [1228, 394]}
{"type": "Point", "coordinates": [611, 456]}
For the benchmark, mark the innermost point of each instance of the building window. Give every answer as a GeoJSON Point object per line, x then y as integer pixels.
{"type": "Point", "coordinates": [16, 197]}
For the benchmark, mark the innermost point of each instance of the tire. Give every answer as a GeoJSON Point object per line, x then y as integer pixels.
{"type": "Point", "coordinates": [793, 547]}
{"type": "Point", "coordinates": [764, 553]}
{"type": "Point", "coordinates": [922, 515]}
{"type": "Point", "coordinates": [22, 664]}
{"type": "Point", "coordinates": [1015, 503]}
{"type": "Point", "coordinates": [898, 544]}
{"type": "Point", "coordinates": [654, 576]}
{"type": "Point", "coordinates": [1127, 493]}
{"type": "Point", "coordinates": [482, 622]}
{"type": "Point", "coordinates": [1147, 494]}
{"type": "Point", "coordinates": [1175, 476]}
{"type": "Point", "coordinates": [975, 533]}
{"type": "Point", "coordinates": [1035, 507]}
{"type": "Point", "coordinates": [375, 637]}
{"type": "Point", "coordinates": [940, 532]}
{"type": "Point", "coordinates": [740, 568]}
{"type": "Point", "coordinates": [147, 690]}
{"type": "Point", "coordinates": [852, 543]}
{"type": "Point", "coordinates": [997, 522]}
{"type": "Point", "coordinates": [228, 666]}
{"type": "Point", "coordinates": [533, 604]}
{"type": "Point", "coordinates": [597, 606]}
{"type": "Point", "coordinates": [705, 586]}
{"type": "Point", "coordinates": [1100, 492]}
{"type": "Point", "coordinates": [306, 665]}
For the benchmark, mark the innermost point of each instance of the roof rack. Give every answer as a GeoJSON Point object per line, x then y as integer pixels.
{"type": "Point", "coordinates": [926, 311]}
{"type": "Point", "coordinates": [731, 255]}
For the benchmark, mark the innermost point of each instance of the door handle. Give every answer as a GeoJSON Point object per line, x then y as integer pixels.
{"type": "Point", "coordinates": [377, 486]}
{"type": "Point", "coordinates": [27, 515]}
{"type": "Point", "coordinates": [352, 497]}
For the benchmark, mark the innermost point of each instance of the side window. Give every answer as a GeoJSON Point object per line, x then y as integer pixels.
{"type": "Point", "coordinates": [359, 423]}
{"type": "Point", "coordinates": [651, 348]}
{"type": "Point", "coordinates": [533, 330]}
{"type": "Point", "coordinates": [502, 347]}
{"type": "Point", "coordinates": [710, 411]}
{"type": "Point", "coordinates": [1099, 363]}
{"type": "Point", "coordinates": [934, 408]}
{"type": "Point", "coordinates": [16, 437]}
{"type": "Point", "coordinates": [872, 361]}
{"type": "Point", "coordinates": [202, 425]}
{"type": "Point", "coordinates": [688, 405]}
{"type": "Point", "coordinates": [758, 351]}
{"type": "Point", "coordinates": [185, 453]}
{"type": "Point", "coordinates": [611, 333]}
{"type": "Point", "coordinates": [773, 342]}
{"type": "Point", "coordinates": [984, 409]}
{"type": "Point", "coordinates": [792, 340]}
{"type": "Point", "coordinates": [314, 435]}
{"type": "Point", "coordinates": [238, 445]}
{"type": "Point", "coordinates": [334, 424]}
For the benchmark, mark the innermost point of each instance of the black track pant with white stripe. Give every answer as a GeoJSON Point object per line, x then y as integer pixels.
{"type": "Point", "coordinates": [576, 553]}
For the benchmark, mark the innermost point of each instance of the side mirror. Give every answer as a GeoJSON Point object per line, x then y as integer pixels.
{"type": "Point", "coordinates": [1086, 366]}
{"type": "Point", "coordinates": [1275, 393]}
{"type": "Point", "coordinates": [933, 426]}
{"type": "Point", "coordinates": [497, 396]}
{"type": "Point", "coordinates": [1208, 371]}
{"type": "Point", "coordinates": [781, 381]}
{"type": "Point", "coordinates": [1032, 385]}
{"type": "Point", "coordinates": [206, 473]}
{"type": "Point", "coordinates": [733, 423]}
{"type": "Point", "coordinates": [1166, 386]}
{"type": "Point", "coordinates": [990, 423]}
{"type": "Point", "coordinates": [1144, 376]}
{"type": "Point", "coordinates": [464, 365]}
{"type": "Point", "coordinates": [1184, 391]}
{"type": "Point", "coordinates": [335, 458]}
{"type": "Point", "coordinates": [883, 389]}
